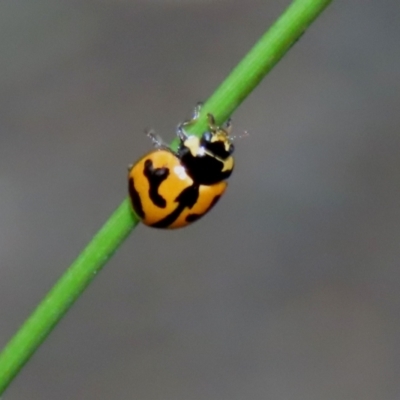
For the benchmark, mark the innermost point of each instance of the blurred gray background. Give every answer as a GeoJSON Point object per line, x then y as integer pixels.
{"type": "Point", "coordinates": [290, 287]}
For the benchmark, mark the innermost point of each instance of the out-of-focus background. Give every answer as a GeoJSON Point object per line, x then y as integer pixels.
{"type": "Point", "coordinates": [290, 287]}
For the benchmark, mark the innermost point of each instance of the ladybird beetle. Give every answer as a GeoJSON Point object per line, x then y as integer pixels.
{"type": "Point", "coordinates": [171, 189]}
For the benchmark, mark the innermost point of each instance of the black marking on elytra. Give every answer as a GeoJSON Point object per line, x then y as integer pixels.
{"type": "Point", "coordinates": [187, 198]}
{"type": "Point", "coordinates": [135, 198]}
{"type": "Point", "coordinates": [155, 176]}
{"type": "Point", "coordinates": [204, 170]}
{"type": "Point", "coordinates": [194, 217]}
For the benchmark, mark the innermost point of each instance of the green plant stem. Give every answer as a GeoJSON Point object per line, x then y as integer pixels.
{"type": "Point", "coordinates": [243, 79]}
{"type": "Point", "coordinates": [270, 48]}
{"type": "Point", "coordinates": [65, 292]}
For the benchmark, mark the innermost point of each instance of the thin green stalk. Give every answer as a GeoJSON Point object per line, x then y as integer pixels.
{"type": "Point", "coordinates": [270, 48]}
{"type": "Point", "coordinates": [63, 294]}
{"type": "Point", "coordinates": [243, 79]}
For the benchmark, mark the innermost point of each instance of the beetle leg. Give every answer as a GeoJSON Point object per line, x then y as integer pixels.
{"type": "Point", "coordinates": [228, 126]}
{"type": "Point", "coordinates": [196, 112]}
{"type": "Point", "coordinates": [211, 123]}
{"type": "Point", "coordinates": [180, 130]}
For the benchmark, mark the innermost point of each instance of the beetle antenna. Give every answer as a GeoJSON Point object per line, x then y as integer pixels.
{"type": "Point", "coordinates": [242, 136]}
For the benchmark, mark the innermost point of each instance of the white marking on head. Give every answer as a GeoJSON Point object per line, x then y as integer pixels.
{"type": "Point", "coordinates": [193, 144]}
